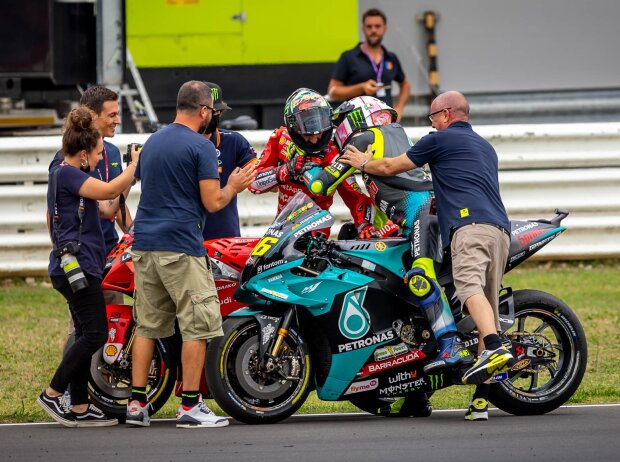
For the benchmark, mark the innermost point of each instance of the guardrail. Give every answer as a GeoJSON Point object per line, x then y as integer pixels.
{"type": "Point", "coordinates": [542, 167]}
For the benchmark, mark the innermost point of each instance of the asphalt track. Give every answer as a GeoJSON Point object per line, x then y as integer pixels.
{"type": "Point", "coordinates": [571, 433]}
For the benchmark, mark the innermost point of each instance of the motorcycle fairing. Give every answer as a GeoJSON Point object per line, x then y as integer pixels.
{"type": "Point", "coordinates": [119, 320]}
{"type": "Point", "coordinates": [388, 253]}
{"type": "Point", "coordinates": [528, 237]}
{"type": "Point", "coordinates": [277, 247]}
{"type": "Point", "coordinates": [281, 284]}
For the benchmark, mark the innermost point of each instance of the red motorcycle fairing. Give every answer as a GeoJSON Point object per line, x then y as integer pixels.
{"type": "Point", "coordinates": [232, 251]}
{"type": "Point", "coordinates": [119, 320]}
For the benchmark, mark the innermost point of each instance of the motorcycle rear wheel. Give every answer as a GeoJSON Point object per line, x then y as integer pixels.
{"type": "Point", "coordinates": [557, 329]}
{"type": "Point", "coordinates": [109, 386]}
{"type": "Point", "coordinates": [242, 388]}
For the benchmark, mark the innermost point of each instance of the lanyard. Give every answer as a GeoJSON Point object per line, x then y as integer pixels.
{"type": "Point", "coordinates": [378, 68]}
{"type": "Point", "coordinates": [107, 171]}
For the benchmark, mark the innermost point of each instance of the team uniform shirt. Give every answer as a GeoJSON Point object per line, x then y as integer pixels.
{"type": "Point", "coordinates": [106, 170]}
{"type": "Point", "coordinates": [233, 151]}
{"type": "Point", "coordinates": [91, 256]}
{"type": "Point", "coordinates": [354, 66]}
{"type": "Point", "coordinates": [464, 167]}
{"type": "Point", "coordinates": [170, 214]}
{"type": "Point", "coordinates": [278, 151]}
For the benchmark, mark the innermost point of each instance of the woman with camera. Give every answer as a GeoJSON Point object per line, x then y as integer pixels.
{"type": "Point", "coordinates": [77, 261]}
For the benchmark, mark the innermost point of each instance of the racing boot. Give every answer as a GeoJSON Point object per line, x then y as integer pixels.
{"type": "Point", "coordinates": [437, 309]}
{"type": "Point", "coordinates": [451, 353]}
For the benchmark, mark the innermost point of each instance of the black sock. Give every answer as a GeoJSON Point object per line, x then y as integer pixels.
{"type": "Point", "coordinates": [492, 342]}
{"type": "Point", "coordinates": [190, 398]}
{"type": "Point", "coordinates": [482, 391]}
{"type": "Point", "coordinates": [138, 394]}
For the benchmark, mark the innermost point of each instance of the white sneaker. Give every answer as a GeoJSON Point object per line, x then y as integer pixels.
{"type": "Point", "coordinates": [137, 414]}
{"type": "Point", "coordinates": [199, 416]}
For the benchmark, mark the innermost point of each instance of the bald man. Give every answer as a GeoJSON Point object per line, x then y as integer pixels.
{"type": "Point", "coordinates": [472, 220]}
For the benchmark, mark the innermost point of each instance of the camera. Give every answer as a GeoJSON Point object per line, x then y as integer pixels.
{"type": "Point", "coordinates": [127, 156]}
{"type": "Point", "coordinates": [70, 265]}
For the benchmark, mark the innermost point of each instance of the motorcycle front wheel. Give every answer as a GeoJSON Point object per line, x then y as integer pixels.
{"type": "Point", "coordinates": [548, 328]}
{"type": "Point", "coordinates": [109, 385]}
{"type": "Point", "coordinates": [243, 387]}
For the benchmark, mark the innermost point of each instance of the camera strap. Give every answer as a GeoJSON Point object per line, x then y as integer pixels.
{"type": "Point", "coordinates": [56, 217]}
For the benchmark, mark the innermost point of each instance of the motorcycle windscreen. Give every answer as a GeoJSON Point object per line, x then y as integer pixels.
{"type": "Point", "coordinates": [300, 216]}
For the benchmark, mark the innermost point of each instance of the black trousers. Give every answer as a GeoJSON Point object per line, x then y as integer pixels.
{"type": "Point", "coordinates": [88, 311]}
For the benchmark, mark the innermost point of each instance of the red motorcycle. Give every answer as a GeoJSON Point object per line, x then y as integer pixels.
{"type": "Point", "coordinates": [110, 371]}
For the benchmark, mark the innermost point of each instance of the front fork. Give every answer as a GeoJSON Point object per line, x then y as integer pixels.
{"type": "Point", "coordinates": [274, 331]}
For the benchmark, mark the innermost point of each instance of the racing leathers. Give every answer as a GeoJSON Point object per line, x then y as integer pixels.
{"type": "Point", "coordinates": [281, 165]}
{"type": "Point", "coordinates": [405, 199]}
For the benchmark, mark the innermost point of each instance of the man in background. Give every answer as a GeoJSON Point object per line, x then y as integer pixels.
{"type": "Point", "coordinates": [233, 151]}
{"type": "Point", "coordinates": [369, 69]}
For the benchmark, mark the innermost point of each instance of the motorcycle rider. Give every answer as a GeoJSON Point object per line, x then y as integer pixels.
{"type": "Point", "coordinates": [405, 199]}
{"type": "Point", "coordinates": [304, 142]}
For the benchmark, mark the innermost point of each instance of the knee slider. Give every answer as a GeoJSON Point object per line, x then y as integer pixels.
{"type": "Point", "coordinates": [422, 287]}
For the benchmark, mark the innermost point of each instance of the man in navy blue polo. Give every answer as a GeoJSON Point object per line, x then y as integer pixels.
{"type": "Point", "coordinates": [233, 151]}
{"type": "Point", "coordinates": [472, 220]}
{"type": "Point", "coordinates": [369, 69]}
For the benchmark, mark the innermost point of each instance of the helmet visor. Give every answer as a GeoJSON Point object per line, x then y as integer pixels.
{"type": "Point", "coordinates": [312, 121]}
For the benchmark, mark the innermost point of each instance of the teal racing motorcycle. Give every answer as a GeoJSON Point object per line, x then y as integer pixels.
{"type": "Point", "coordinates": [335, 316]}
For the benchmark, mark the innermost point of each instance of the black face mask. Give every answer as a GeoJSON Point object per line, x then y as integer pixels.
{"type": "Point", "coordinates": [215, 120]}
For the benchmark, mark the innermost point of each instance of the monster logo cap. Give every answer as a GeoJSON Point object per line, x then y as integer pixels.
{"type": "Point", "coordinates": [216, 94]}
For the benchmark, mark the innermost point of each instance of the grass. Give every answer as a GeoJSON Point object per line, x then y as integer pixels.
{"type": "Point", "coordinates": [34, 325]}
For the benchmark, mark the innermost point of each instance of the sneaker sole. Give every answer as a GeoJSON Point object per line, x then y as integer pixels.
{"type": "Point", "coordinates": [223, 423]}
{"type": "Point", "coordinates": [477, 416]}
{"type": "Point", "coordinates": [137, 423]}
{"type": "Point", "coordinates": [53, 415]}
{"type": "Point", "coordinates": [100, 423]}
{"type": "Point", "coordinates": [483, 374]}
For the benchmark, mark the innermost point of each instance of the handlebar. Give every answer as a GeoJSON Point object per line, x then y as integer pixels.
{"type": "Point", "coordinates": [339, 256]}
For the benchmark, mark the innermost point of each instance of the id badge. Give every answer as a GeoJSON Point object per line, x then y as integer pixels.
{"type": "Point", "coordinates": [380, 92]}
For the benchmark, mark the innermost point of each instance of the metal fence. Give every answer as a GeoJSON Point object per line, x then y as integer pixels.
{"type": "Point", "coordinates": [542, 167]}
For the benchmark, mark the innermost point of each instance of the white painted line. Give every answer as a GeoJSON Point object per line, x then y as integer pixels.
{"type": "Point", "coordinates": [302, 416]}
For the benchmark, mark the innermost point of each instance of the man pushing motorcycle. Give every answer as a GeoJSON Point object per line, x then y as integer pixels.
{"type": "Point", "coordinates": [472, 220]}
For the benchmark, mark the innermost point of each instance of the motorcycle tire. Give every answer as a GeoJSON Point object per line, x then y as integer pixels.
{"type": "Point", "coordinates": [410, 406]}
{"type": "Point", "coordinates": [557, 329]}
{"type": "Point", "coordinates": [243, 391]}
{"type": "Point", "coordinates": [109, 386]}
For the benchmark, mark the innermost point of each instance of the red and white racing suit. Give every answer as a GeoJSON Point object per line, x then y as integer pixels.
{"type": "Point", "coordinates": [278, 151]}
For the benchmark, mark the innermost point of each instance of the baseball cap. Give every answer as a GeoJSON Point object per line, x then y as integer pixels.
{"type": "Point", "coordinates": [216, 94]}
